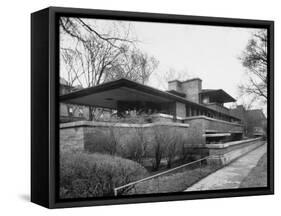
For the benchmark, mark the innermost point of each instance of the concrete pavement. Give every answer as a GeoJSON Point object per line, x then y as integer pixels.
{"type": "Point", "coordinates": [230, 176]}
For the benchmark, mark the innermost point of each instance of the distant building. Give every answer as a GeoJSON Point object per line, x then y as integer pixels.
{"type": "Point", "coordinates": [255, 122]}
{"type": "Point", "coordinates": [74, 112]}
{"type": "Point", "coordinates": [71, 112]}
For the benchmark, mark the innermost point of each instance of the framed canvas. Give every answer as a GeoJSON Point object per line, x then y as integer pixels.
{"type": "Point", "coordinates": [139, 107]}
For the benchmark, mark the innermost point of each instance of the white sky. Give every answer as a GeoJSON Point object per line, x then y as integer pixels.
{"type": "Point", "coordinates": [208, 52]}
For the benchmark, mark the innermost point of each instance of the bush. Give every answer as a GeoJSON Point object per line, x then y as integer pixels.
{"type": "Point", "coordinates": [91, 175]}
{"type": "Point", "coordinates": [106, 143]}
{"type": "Point", "coordinates": [169, 145]}
{"type": "Point", "coordinates": [137, 148]}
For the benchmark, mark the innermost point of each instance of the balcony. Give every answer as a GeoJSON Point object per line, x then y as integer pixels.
{"type": "Point", "coordinates": [218, 107]}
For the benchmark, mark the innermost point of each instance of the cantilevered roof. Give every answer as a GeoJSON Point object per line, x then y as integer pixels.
{"type": "Point", "coordinates": [106, 95]}
{"type": "Point", "coordinates": [177, 93]}
{"type": "Point", "coordinates": [217, 95]}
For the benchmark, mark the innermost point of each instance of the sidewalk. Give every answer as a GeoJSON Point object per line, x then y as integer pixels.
{"type": "Point", "coordinates": [231, 176]}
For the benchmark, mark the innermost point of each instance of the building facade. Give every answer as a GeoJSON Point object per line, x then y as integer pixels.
{"type": "Point", "coordinates": [185, 110]}
{"type": "Point", "coordinates": [184, 102]}
{"type": "Point", "coordinates": [71, 112]}
{"type": "Point", "coordinates": [254, 121]}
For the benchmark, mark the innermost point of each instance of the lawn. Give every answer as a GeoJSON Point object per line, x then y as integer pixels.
{"type": "Point", "coordinates": [258, 175]}
{"type": "Point", "coordinates": [177, 181]}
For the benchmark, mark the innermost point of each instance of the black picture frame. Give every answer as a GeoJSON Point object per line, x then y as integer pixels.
{"type": "Point", "coordinates": [45, 106]}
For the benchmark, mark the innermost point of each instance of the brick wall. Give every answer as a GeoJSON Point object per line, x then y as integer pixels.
{"type": "Point", "coordinates": [223, 154]}
{"type": "Point", "coordinates": [93, 136]}
{"type": "Point", "coordinates": [192, 89]}
{"type": "Point", "coordinates": [72, 139]}
{"type": "Point", "coordinates": [180, 109]}
{"type": "Point", "coordinates": [214, 124]}
{"type": "Point", "coordinates": [199, 125]}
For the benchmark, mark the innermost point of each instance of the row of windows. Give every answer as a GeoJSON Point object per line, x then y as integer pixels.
{"type": "Point", "coordinates": [196, 112]}
{"type": "Point", "coordinates": [71, 109]}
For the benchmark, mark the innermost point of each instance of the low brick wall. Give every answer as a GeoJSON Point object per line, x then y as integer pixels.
{"type": "Point", "coordinates": [199, 125]}
{"type": "Point", "coordinates": [160, 117]}
{"type": "Point", "coordinates": [120, 137]}
{"type": "Point", "coordinates": [93, 136]}
{"type": "Point", "coordinates": [71, 138]}
{"type": "Point", "coordinates": [223, 154]}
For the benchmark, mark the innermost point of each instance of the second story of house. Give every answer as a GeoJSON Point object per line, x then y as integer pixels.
{"type": "Point", "coordinates": [192, 90]}
{"type": "Point", "coordinates": [183, 99]}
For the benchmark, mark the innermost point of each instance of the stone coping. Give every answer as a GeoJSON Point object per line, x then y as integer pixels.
{"type": "Point", "coordinates": [217, 135]}
{"type": "Point", "coordinates": [166, 116]}
{"type": "Point", "coordinates": [229, 144]}
{"type": "Point", "coordinates": [118, 124]}
{"type": "Point", "coordinates": [214, 103]}
{"type": "Point", "coordinates": [222, 145]}
{"type": "Point", "coordinates": [211, 119]}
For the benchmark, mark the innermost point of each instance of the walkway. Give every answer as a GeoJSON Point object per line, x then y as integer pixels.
{"type": "Point", "coordinates": [231, 175]}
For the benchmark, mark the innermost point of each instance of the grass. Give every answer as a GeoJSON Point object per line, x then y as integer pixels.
{"type": "Point", "coordinates": [258, 175]}
{"type": "Point", "coordinates": [174, 182]}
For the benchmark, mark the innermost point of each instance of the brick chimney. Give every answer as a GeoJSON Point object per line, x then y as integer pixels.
{"type": "Point", "coordinates": [174, 85]}
{"type": "Point", "coordinates": [191, 88]}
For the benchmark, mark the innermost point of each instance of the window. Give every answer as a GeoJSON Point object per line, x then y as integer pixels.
{"type": "Point", "coordinates": [70, 111]}
{"type": "Point", "coordinates": [81, 112]}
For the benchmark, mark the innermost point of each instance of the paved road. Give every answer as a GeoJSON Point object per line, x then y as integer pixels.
{"type": "Point", "coordinates": [232, 175]}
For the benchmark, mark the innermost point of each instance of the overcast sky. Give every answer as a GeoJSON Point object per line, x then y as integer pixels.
{"type": "Point", "coordinates": [208, 52]}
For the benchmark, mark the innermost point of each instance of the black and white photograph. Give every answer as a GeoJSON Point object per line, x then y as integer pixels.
{"type": "Point", "coordinates": [157, 108]}
{"type": "Point", "coordinates": [140, 108]}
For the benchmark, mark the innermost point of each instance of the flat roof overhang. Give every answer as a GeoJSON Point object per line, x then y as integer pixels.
{"type": "Point", "coordinates": [107, 94]}
{"type": "Point", "coordinates": [217, 95]}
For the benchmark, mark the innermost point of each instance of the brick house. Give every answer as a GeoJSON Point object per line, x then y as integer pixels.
{"type": "Point", "coordinates": [198, 116]}
{"type": "Point", "coordinates": [184, 102]}
{"type": "Point", "coordinates": [71, 112]}
{"type": "Point", "coordinates": [76, 112]}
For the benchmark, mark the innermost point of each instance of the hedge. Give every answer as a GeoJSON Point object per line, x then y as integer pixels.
{"type": "Point", "coordinates": [85, 175]}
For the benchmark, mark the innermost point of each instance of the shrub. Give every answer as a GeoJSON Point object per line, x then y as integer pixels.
{"type": "Point", "coordinates": [91, 175]}
{"type": "Point", "coordinates": [103, 141]}
{"type": "Point", "coordinates": [137, 148]}
{"type": "Point", "coordinates": [163, 138]}
{"type": "Point", "coordinates": [168, 144]}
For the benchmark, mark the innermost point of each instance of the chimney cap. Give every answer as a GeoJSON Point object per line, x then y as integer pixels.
{"type": "Point", "coordinates": [188, 80]}
{"type": "Point", "coordinates": [175, 80]}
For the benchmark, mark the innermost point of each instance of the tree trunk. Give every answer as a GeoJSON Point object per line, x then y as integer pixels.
{"type": "Point", "coordinates": [91, 116]}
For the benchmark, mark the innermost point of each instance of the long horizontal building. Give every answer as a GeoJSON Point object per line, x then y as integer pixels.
{"type": "Point", "coordinates": [184, 102]}
{"type": "Point", "coordinates": [183, 99]}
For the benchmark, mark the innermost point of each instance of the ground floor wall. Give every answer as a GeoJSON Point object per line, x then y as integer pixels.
{"type": "Point", "coordinates": [200, 126]}
{"type": "Point", "coordinates": [223, 154]}
{"type": "Point", "coordinates": [185, 137]}
{"type": "Point", "coordinates": [122, 138]}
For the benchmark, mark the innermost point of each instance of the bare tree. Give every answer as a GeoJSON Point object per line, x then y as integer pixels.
{"type": "Point", "coordinates": [162, 139]}
{"type": "Point", "coordinates": [171, 74]}
{"type": "Point", "coordinates": [92, 53]}
{"type": "Point", "coordinates": [254, 59]}
{"type": "Point", "coordinates": [92, 57]}
{"type": "Point", "coordinates": [172, 145]}
{"type": "Point", "coordinates": [136, 65]}
{"type": "Point", "coordinates": [137, 148]}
